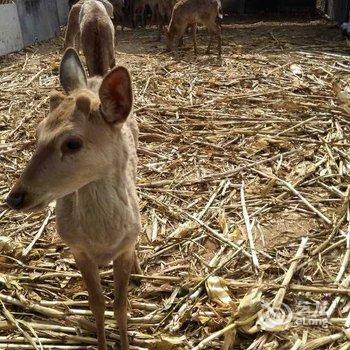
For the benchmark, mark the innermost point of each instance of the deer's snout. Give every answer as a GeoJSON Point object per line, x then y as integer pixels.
{"type": "Point", "coordinates": [15, 199]}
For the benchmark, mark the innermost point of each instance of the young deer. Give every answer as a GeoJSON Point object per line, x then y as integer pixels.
{"type": "Point", "coordinates": [72, 38]}
{"type": "Point", "coordinates": [162, 11]}
{"type": "Point", "coordinates": [90, 24]}
{"type": "Point", "coordinates": [188, 13]}
{"type": "Point", "coordinates": [86, 160]}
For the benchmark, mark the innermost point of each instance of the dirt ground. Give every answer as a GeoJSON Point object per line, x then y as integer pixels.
{"type": "Point", "coordinates": [243, 184]}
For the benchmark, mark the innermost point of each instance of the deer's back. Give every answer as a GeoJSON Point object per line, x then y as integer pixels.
{"type": "Point", "coordinates": [92, 10]}
{"type": "Point", "coordinates": [97, 37]}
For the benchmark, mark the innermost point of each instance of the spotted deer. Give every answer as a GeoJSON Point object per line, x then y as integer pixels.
{"type": "Point", "coordinates": [85, 159]}
{"type": "Point", "coordinates": [90, 24]}
{"type": "Point", "coordinates": [190, 13]}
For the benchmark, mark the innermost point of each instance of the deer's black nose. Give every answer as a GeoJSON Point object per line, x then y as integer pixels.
{"type": "Point", "coordinates": [15, 200]}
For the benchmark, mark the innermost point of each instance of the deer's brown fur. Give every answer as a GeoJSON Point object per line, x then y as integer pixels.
{"type": "Point", "coordinates": [86, 160]}
{"type": "Point", "coordinates": [97, 37]}
{"type": "Point", "coordinates": [162, 10]}
{"type": "Point", "coordinates": [72, 37]}
{"type": "Point", "coordinates": [190, 13]}
{"type": "Point", "coordinates": [89, 23]}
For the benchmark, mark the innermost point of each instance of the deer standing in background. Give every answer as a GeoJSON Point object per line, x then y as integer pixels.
{"type": "Point", "coordinates": [86, 160]}
{"type": "Point", "coordinates": [190, 13]}
{"type": "Point", "coordinates": [161, 12]}
{"type": "Point", "coordinates": [97, 37]}
{"type": "Point", "coordinates": [90, 24]}
{"type": "Point", "coordinates": [164, 10]}
{"type": "Point", "coordinates": [72, 38]}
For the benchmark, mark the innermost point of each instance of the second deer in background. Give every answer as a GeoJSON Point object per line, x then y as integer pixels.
{"type": "Point", "coordinates": [163, 11]}
{"type": "Point", "coordinates": [189, 13]}
{"type": "Point", "coordinates": [90, 25]}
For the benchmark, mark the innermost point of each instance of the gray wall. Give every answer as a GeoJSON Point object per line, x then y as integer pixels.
{"type": "Point", "coordinates": [26, 22]}
{"type": "Point", "coordinates": [63, 10]}
{"type": "Point", "coordinates": [38, 19]}
{"type": "Point", "coordinates": [10, 29]}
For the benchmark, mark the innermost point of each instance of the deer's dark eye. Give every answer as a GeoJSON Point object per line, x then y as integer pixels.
{"type": "Point", "coordinates": [72, 145]}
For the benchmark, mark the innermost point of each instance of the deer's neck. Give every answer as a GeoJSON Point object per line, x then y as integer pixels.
{"type": "Point", "coordinates": [101, 219]}
{"type": "Point", "coordinates": [103, 197]}
{"type": "Point", "coordinates": [103, 216]}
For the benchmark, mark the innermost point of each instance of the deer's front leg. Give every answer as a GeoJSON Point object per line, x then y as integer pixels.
{"type": "Point", "coordinates": [121, 269]}
{"type": "Point", "coordinates": [91, 277]}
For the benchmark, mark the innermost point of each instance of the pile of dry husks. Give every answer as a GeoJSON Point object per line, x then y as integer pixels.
{"type": "Point", "coordinates": [244, 187]}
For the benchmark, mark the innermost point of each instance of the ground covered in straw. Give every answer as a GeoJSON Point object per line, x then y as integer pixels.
{"type": "Point", "coordinates": [243, 181]}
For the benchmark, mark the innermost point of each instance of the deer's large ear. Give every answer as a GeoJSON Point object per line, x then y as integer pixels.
{"type": "Point", "coordinates": [116, 95]}
{"type": "Point", "coordinates": [72, 74]}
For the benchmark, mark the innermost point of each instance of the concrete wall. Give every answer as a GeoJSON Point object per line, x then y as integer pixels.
{"type": "Point", "coordinates": [39, 20]}
{"type": "Point", "coordinates": [10, 30]}
{"type": "Point", "coordinates": [26, 22]}
{"type": "Point", "coordinates": [63, 10]}
{"type": "Point", "coordinates": [254, 6]}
